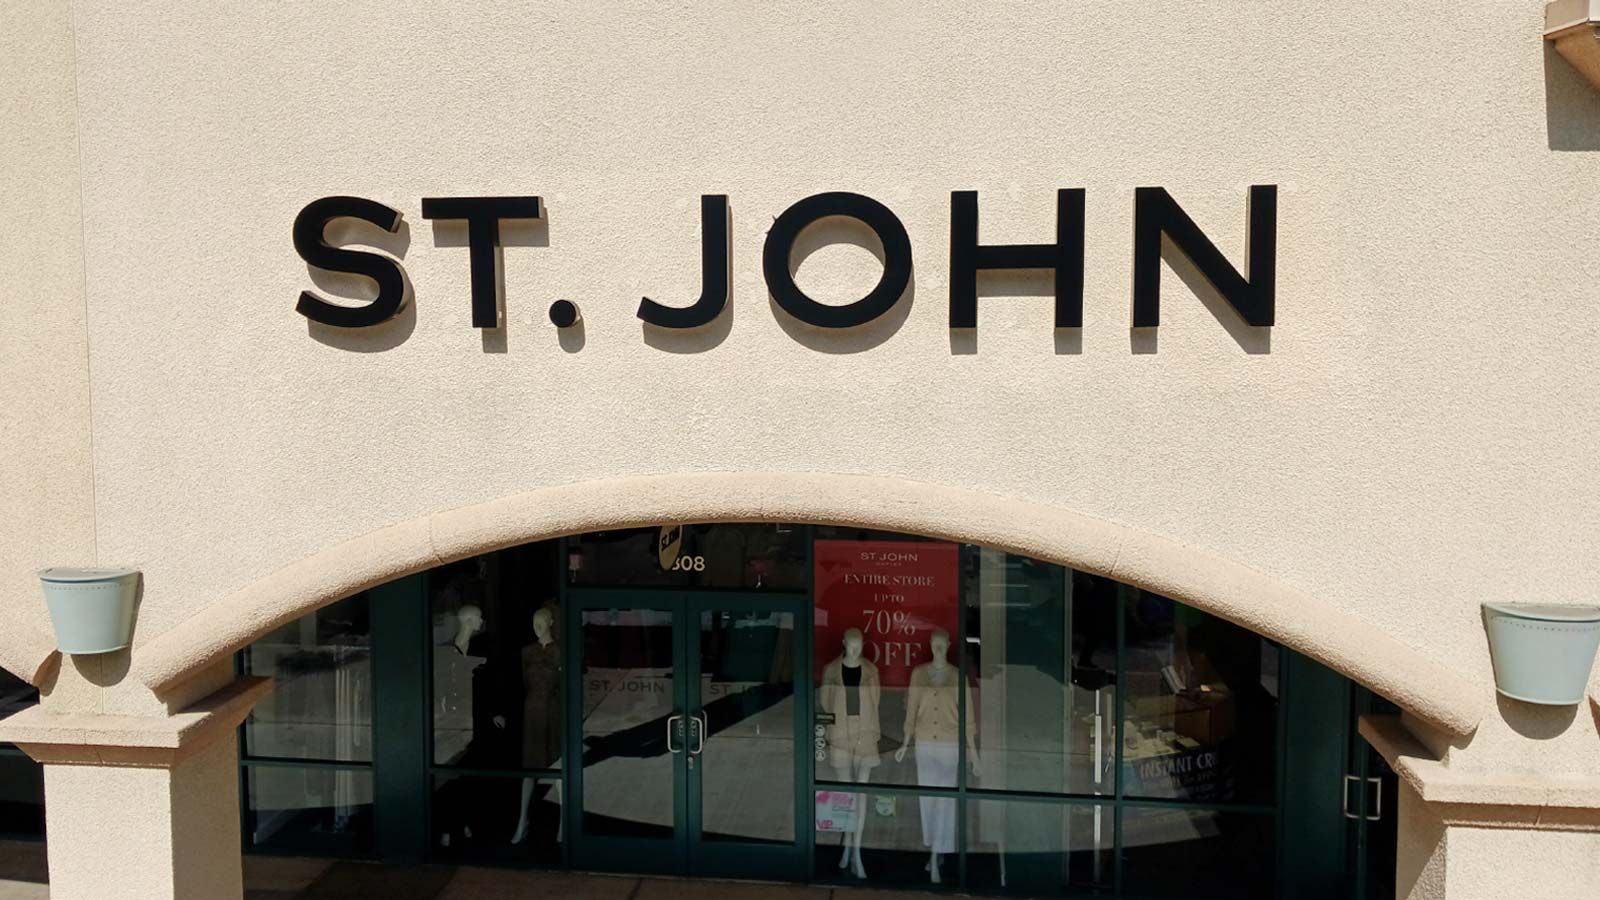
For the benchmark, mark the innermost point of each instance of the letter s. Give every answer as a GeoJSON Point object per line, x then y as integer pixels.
{"type": "Point", "coordinates": [312, 245]}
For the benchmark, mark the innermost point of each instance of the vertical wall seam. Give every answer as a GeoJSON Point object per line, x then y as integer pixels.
{"type": "Point", "coordinates": [83, 278]}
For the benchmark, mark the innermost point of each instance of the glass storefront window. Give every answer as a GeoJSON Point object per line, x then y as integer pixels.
{"type": "Point", "coordinates": [1197, 853]}
{"type": "Point", "coordinates": [492, 819]}
{"type": "Point", "coordinates": [887, 672]}
{"type": "Point", "coordinates": [886, 839]}
{"type": "Point", "coordinates": [304, 809]}
{"type": "Point", "coordinates": [320, 707]}
{"type": "Point", "coordinates": [1201, 708]}
{"type": "Point", "coordinates": [498, 663]}
{"type": "Point", "coordinates": [1043, 644]}
{"type": "Point", "coordinates": [722, 556]}
{"type": "Point", "coordinates": [1039, 848]}
{"type": "Point", "coordinates": [968, 710]}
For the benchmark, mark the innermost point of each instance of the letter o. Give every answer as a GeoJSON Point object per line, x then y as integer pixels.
{"type": "Point", "coordinates": [795, 219]}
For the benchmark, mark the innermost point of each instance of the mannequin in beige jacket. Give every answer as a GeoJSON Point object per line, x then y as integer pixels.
{"type": "Point", "coordinates": [933, 717]}
{"type": "Point", "coordinates": [849, 693]}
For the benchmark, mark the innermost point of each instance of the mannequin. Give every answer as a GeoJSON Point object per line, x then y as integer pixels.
{"type": "Point", "coordinates": [541, 710]}
{"type": "Point", "coordinates": [453, 675]}
{"type": "Point", "coordinates": [932, 714]}
{"type": "Point", "coordinates": [850, 692]}
{"type": "Point", "coordinates": [469, 621]}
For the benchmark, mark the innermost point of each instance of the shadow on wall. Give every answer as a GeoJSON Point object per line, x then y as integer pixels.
{"type": "Point", "coordinates": [843, 230]}
{"type": "Point", "coordinates": [1571, 105]}
{"type": "Point", "coordinates": [1014, 284]}
{"type": "Point", "coordinates": [706, 337]}
{"type": "Point", "coordinates": [513, 233]}
{"type": "Point", "coordinates": [1252, 339]}
{"type": "Point", "coordinates": [356, 288]}
{"type": "Point", "coordinates": [1534, 721]}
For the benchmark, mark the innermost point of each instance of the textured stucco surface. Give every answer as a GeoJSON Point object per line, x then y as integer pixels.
{"type": "Point", "coordinates": [1441, 861]}
{"type": "Point", "coordinates": [1418, 437]}
{"type": "Point", "coordinates": [136, 833]}
{"type": "Point", "coordinates": [46, 480]}
{"type": "Point", "coordinates": [1238, 593]}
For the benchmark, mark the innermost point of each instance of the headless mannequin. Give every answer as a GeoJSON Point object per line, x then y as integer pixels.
{"type": "Point", "coordinates": [542, 624]}
{"type": "Point", "coordinates": [857, 769]}
{"type": "Point", "coordinates": [939, 673]}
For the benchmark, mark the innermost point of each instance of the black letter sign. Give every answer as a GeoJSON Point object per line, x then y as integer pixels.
{"type": "Point", "coordinates": [1155, 213]}
{"type": "Point", "coordinates": [714, 276]}
{"type": "Point", "coordinates": [967, 256]}
{"type": "Point", "coordinates": [483, 216]}
{"type": "Point", "coordinates": [312, 245]}
{"type": "Point", "coordinates": [896, 259]}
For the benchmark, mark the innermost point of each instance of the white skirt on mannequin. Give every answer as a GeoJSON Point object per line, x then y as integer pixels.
{"type": "Point", "coordinates": [936, 767]}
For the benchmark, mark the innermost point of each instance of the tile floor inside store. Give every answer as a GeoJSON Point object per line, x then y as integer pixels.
{"type": "Point", "coordinates": [22, 877]}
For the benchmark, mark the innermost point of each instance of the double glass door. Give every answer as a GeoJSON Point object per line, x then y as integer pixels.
{"type": "Point", "coordinates": [687, 727]}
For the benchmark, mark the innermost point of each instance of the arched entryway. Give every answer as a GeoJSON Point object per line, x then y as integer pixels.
{"type": "Point", "coordinates": [733, 698]}
{"type": "Point", "coordinates": [1229, 589]}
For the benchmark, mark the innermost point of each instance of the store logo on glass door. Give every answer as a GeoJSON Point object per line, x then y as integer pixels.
{"type": "Point", "coordinates": [1159, 224]}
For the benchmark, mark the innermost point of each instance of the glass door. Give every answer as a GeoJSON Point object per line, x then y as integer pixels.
{"type": "Point", "coordinates": [686, 733]}
{"type": "Point", "coordinates": [746, 755]}
{"type": "Point", "coordinates": [627, 733]}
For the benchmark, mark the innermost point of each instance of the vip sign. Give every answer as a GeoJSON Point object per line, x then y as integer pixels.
{"type": "Point", "coordinates": [1156, 217]}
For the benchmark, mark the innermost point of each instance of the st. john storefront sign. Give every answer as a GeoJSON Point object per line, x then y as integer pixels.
{"type": "Point", "coordinates": [1157, 219]}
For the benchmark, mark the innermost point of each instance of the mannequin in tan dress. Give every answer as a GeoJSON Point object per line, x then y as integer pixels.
{"type": "Point", "coordinates": [850, 692]}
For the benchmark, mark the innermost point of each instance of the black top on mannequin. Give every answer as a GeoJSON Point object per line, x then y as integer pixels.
{"type": "Point", "coordinates": [852, 694]}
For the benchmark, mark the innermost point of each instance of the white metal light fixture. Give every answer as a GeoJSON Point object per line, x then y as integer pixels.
{"type": "Point", "coordinates": [1574, 27]}
{"type": "Point", "coordinates": [92, 609]}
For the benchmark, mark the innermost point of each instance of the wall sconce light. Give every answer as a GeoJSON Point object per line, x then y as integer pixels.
{"type": "Point", "coordinates": [92, 610]}
{"type": "Point", "coordinates": [1542, 653]}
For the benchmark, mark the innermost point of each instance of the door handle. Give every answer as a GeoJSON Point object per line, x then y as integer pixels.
{"type": "Point", "coordinates": [1344, 801]}
{"type": "Point", "coordinates": [697, 730]}
{"type": "Point", "coordinates": [671, 729]}
{"type": "Point", "coordinates": [1377, 805]}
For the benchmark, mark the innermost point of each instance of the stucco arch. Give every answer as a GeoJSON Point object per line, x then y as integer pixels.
{"type": "Point", "coordinates": [1226, 588]}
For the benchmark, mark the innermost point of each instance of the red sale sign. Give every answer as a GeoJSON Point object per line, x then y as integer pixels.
{"type": "Point", "coordinates": [896, 592]}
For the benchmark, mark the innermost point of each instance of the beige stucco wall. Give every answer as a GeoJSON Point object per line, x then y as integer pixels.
{"type": "Point", "coordinates": [1418, 438]}
{"type": "Point", "coordinates": [46, 479]}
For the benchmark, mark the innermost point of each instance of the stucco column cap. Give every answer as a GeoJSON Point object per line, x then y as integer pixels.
{"type": "Point", "coordinates": [86, 739]}
{"type": "Point", "coordinates": [1491, 799]}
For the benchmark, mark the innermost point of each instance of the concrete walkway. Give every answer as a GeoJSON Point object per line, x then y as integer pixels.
{"type": "Point", "coordinates": [22, 877]}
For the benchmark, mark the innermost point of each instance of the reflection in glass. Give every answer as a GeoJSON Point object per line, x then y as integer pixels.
{"type": "Point", "coordinates": [1202, 706]}
{"type": "Point", "coordinates": [21, 796]}
{"type": "Point", "coordinates": [629, 701]}
{"type": "Point", "coordinates": [1042, 641]}
{"type": "Point", "coordinates": [1196, 853]}
{"type": "Point", "coordinates": [497, 661]}
{"type": "Point", "coordinates": [737, 555]}
{"type": "Point", "coordinates": [748, 700]}
{"type": "Point", "coordinates": [1043, 849]}
{"type": "Point", "coordinates": [477, 819]}
{"type": "Point", "coordinates": [293, 808]}
{"type": "Point", "coordinates": [321, 705]}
